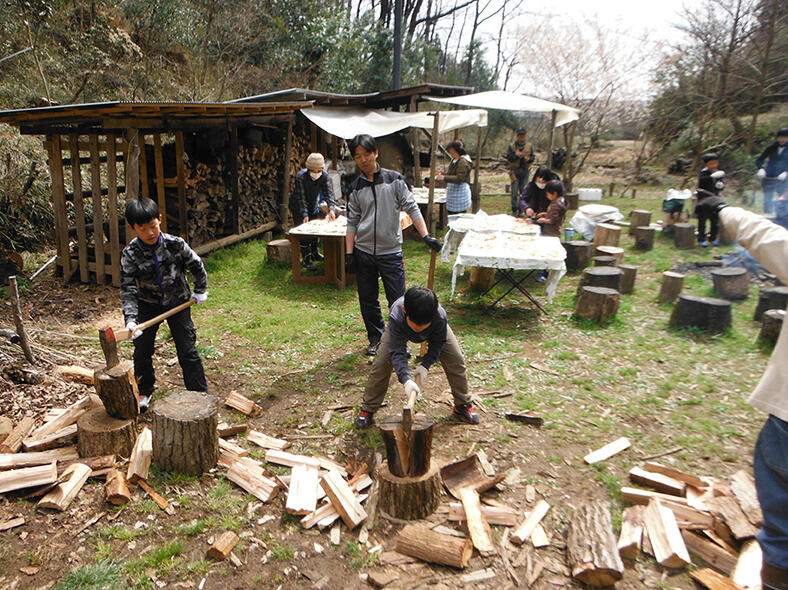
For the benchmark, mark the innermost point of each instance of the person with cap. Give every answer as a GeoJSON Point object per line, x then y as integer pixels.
{"type": "Point", "coordinates": [373, 240]}
{"type": "Point", "coordinates": [312, 198]}
{"type": "Point", "coordinates": [772, 167]}
{"type": "Point", "coordinates": [519, 156]}
{"type": "Point", "coordinates": [711, 181]}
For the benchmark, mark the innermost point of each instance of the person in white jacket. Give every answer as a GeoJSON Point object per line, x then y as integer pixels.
{"type": "Point", "coordinates": [768, 242]}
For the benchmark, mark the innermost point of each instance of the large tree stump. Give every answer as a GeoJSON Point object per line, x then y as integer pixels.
{"type": "Point", "coordinates": [597, 303]}
{"type": "Point", "coordinates": [117, 388]}
{"type": "Point", "coordinates": [185, 439]}
{"type": "Point", "coordinates": [604, 260]}
{"type": "Point", "coordinates": [606, 234]}
{"type": "Point", "coordinates": [771, 298]}
{"type": "Point", "coordinates": [591, 547]}
{"type": "Point", "coordinates": [482, 278]}
{"type": "Point", "coordinates": [672, 283]}
{"type": "Point", "coordinates": [644, 237]}
{"type": "Point", "coordinates": [684, 235]}
{"type": "Point", "coordinates": [278, 251]}
{"type": "Point", "coordinates": [601, 276]}
{"type": "Point", "coordinates": [638, 218]}
{"type": "Point", "coordinates": [408, 454]}
{"type": "Point", "coordinates": [98, 433]}
{"type": "Point", "coordinates": [630, 272]}
{"type": "Point", "coordinates": [614, 251]}
{"type": "Point", "coordinates": [772, 324]}
{"type": "Point", "coordinates": [707, 313]}
{"type": "Point", "coordinates": [571, 200]}
{"type": "Point", "coordinates": [732, 282]}
{"type": "Point", "coordinates": [409, 498]}
{"type": "Point", "coordinates": [578, 254]}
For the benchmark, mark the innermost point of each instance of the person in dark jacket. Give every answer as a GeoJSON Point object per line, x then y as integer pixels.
{"type": "Point", "coordinates": [520, 156]}
{"type": "Point", "coordinates": [153, 280]}
{"type": "Point", "coordinates": [373, 240]}
{"type": "Point", "coordinates": [417, 317]}
{"type": "Point", "coordinates": [533, 199]}
{"type": "Point", "coordinates": [458, 179]}
{"type": "Point", "coordinates": [312, 198]}
{"type": "Point", "coordinates": [772, 167]}
{"type": "Point", "coordinates": [710, 183]}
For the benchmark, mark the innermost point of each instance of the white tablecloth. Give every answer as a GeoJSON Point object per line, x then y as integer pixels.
{"type": "Point", "coordinates": [461, 224]}
{"type": "Point", "coordinates": [422, 195]}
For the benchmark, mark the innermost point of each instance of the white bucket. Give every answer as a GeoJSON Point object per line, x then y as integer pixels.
{"type": "Point", "coordinates": [589, 194]}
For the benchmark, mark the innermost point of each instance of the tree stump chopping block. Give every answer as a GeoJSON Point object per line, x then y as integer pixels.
{"type": "Point", "coordinates": [408, 454]}
{"type": "Point", "coordinates": [100, 434]}
{"type": "Point", "coordinates": [604, 260]}
{"type": "Point", "coordinates": [614, 251]}
{"type": "Point", "coordinates": [278, 251]}
{"type": "Point", "coordinates": [772, 324]}
{"type": "Point", "coordinates": [578, 254]}
{"type": "Point", "coordinates": [572, 200]}
{"type": "Point", "coordinates": [482, 278]}
{"type": "Point", "coordinates": [672, 283]}
{"type": "Point", "coordinates": [771, 298]}
{"type": "Point", "coordinates": [598, 303]}
{"type": "Point", "coordinates": [117, 388]}
{"type": "Point", "coordinates": [707, 313]}
{"type": "Point", "coordinates": [644, 237]}
{"type": "Point", "coordinates": [409, 498]}
{"type": "Point", "coordinates": [601, 276]}
{"type": "Point", "coordinates": [185, 438]}
{"type": "Point", "coordinates": [639, 218]}
{"type": "Point", "coordinates": [629, 274]}
{"type": "Point", "coordinates": [684, 235]}
{"type": "Point", "coordinates": [606, 234]}
{"type": "Point", "coordinates": [732, 282]}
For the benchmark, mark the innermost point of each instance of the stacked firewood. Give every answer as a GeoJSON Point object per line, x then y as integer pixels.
{"type": "Point", "coordinates": [208, 202]}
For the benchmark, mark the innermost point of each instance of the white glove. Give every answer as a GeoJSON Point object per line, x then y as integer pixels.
{"type": "Point", "coordinates": [420, 373]}
{"type": "Point", "coordinates": [200, 297]}
{"type": "Point", "coordinates": [718, 174]}
{"type": "Point", "coordinates": [410, 386]}
{"type": "Point", "coordinates": [761, 173]}
{"type": "Point", "coordinates": [132, 327]}
{"type": "Point", "coordinates": [782, 176]}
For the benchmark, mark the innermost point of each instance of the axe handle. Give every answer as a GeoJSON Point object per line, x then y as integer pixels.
{"type": "Point", "coordinates": [407, 410]}
{"type": "Point", "coordinates": [125, 333]}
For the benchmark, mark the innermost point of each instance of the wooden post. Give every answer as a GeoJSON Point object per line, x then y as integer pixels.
{"type": "Point", "coordinates": [112, 211]}
{"type": "Point", "coordinates": [553, 116]}
{"type": "Point", "coordinates": [98, 208]}
{"type": "Point", "coordinates": [184, 432]}
{"type": "Point", "coordinates": [628, 278]}
{"type": "Point", "coordinates": [414, 135]}
{"type": "Point", "coordinates": [644, 237]}
{"type": "Point", "coordinates": [684, 235]}
{"type": "Point", "coordinates": [235, 186]}
{"type": "Point", "coordinates": [180, 167]}
{"type": "Point", "coordinates": [16, 310]}
{"type": "Point", "coordinates": [639, 218]}
{"type": "Point", "coordinates": [144, 178]}
{"type": "Point", "coordinates": [707, 313]}
{"type": "Point", "coordinates": [283, 212]}
{"type": "Point", "coordinates": [477, 186]}
{"type": "Point", "coordinates": [59, 205]}
{"type": "Point", "coordinates": [433, 164]}
{"type": "Point", "coordinates": [672, 282]}
{"type": "Point", "coordinates": [79, 209]}
{"type": "Point", "coordinates": [598, 303]}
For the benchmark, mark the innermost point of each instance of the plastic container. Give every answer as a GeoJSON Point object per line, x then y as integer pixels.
{"type": "Point", "coordinates": [589, 194]}
{"type": "Point", "coordinates": [569, 234]}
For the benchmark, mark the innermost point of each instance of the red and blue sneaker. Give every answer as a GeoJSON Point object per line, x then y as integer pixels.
{"type": "Point", "coordinates": [364, 420]}
{"type": "Point", "coordinates": [466, 413]}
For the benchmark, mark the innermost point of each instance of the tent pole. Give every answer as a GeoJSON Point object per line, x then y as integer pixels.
{"type": "Point", "coordinates": [552, 139]}
{"type": "Point", "coordinates": [433, 164]}
{"type": "Point", "coordinates": [477, 187]}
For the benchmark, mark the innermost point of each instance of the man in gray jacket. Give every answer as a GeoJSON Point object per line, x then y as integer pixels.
{"type": "Point", "coordinates": [374, 237]}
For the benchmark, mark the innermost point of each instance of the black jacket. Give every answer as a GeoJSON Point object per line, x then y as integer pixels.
{"type": "Point", "coordinates": [307, 194]}
{"type": "Point", "coordinates": [708, 186]}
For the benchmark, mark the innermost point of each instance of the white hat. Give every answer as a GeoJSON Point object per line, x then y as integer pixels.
{"type": "Point", "coordinates": [315, 161]}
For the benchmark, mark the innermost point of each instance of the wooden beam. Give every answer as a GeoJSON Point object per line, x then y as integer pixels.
{"type": "Point", "coordinates": [79, 212]}
{"type": "Point", "coordinates": [180, 167]}
{"type": "Point", "coordinates": [59, 205]}
{"type": "Point", "coordinates": [159, 162]}
{"type": "Point", "coordinates": [112, 212]}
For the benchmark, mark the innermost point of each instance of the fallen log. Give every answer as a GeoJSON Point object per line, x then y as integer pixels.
{"type": "Point", "coordinates": [423, 543]}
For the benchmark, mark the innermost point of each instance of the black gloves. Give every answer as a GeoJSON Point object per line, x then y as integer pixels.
{"type": "Point", "coordinates": [350, 263]}
{"type": "Point", "coordinates": [433, 243]}
{"type": "Point", "coordinates": [710, 205]}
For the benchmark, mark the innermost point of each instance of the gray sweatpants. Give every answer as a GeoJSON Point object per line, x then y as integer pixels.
{"type": "Point", "coordinates": [451, 360]}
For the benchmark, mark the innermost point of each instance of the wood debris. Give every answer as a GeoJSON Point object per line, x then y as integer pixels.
{"type": "Point", "coordinates": [243, 404]}
{"type": "Point", "coordinates": [267, 442]}
{"type": "Point", "coordinates": [607, 451]}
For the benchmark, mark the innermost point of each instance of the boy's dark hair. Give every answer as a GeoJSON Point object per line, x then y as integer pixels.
{"type": "Point", "coordinates": [709, 157]}
{"type": "Point", "coordinates": [457, 147]}
{"type": "Point", "coordinates": [421, 305]}
{"type": "Point", "coordinates": [521, 131]}
{"type": "Point", "coordinates": [366, 141]}
{"type": "Point", "coordinates": [546, 173]}
{"type": "Point", "coordinates": [782, 132]}
{"type": "Point", "coordinates": [141, 211]}
{"type": "Point", "coordinates": [554, 186]}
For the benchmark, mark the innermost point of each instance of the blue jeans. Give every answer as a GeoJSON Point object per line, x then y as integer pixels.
{"type": "Point", "coordinates": [390, 268]}
{"type": "Point", "coordinates": [771, 482]}
{"type": "Point", "coordinates": [772, 188]}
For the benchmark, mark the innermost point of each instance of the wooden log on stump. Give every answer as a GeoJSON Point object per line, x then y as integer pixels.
{"type": "Point", "coordinates": [604, 260]}
{"type": "Point", "coordinates": [772, 324]}
{"type": "Point", "coordinates": [601, 276]}
{"type": "Point", "coordinates": [571, 200]}
{"type": "Point", "coordinates": [732, 282]}
{"type": "Point", "coordinates": [98, 433]}
{"type": "Point", "coordinates": [409, 498]}
{"type": "Point", "coordinates": [482, 278]}
{"type": "Point", "coordinates": [408, 455]}
{"type": "Point", "coordinates": [683, 235]}
{"type": "Point", "coordinates": [644, 237]}
{"type": "Point", "coordinates": [185, 438]}
{"type": "Point", "coordinates": [771, 298]}
{"type": "Point", "coordinates": [638, 218]}
{"type": "Point", "coordinates": [278, 251]}
{"type": "Point", "coordinates": [597, 303]}
{"type": "Point", "coordinates": [591, 547]}
{"type": "Point", "coordinates": [707, 313]}
{"type": "Point", "coordinates": [628, 276]}
{"type": "Point", "coordinates": [578, 254]}
{"type": "Point", "coordinates": [614, 251]}
{"type": "Point", "coordinates": [672, 283]}
{"type": "Point", "coordinates": [423, 543]}
{"type": "Point", "coordinates": [606, 234]}
{"type": "Point", "coordinates": [117, 388]}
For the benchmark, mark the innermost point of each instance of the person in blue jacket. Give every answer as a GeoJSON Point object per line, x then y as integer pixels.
{"type": "Point", "coordinates": [772, 167]}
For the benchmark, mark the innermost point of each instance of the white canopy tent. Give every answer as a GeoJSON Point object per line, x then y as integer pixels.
{"type": "Point", "coordinates": [508, 101]}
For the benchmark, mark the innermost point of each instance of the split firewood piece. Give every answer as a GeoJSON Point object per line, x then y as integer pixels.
{"type": "Point", "coordinates": [539, 537]}
{"type": "Point", "coordinates": [222, 547]}
{"type": "Point", "coordinates": [327, 514]}
{"type": "Point", "coordinates": [343, 499]}
{"type": "Point", "coordinates": [17, 460]}
{"type": "Point", "coordinates": [423, 543]}
{"type": "Point", "coordinates": [6, 426]}
{"type": "Point", "coordinates": [60, 438]}
{"type": "Point", "coordinates": [253, 481]}
{"type": "Point", "coordinates": [492, 514]}
{"type": "Point", "coordinates": [607, 451]}
{"type": "Point", "coordinates": [225, 430]}
{"type": "Point", "coordinates": [227, 446]}
{"type": "Point", "coordinates": [665, 537]}
{"type": "Point", "coordinates": [709, 552]}
{"type": "Point", "coordinates": [743, 487]}
{"type": "Point", "coordinates": [14, 440]}
{"type": "Point", "coordinates": [75, 373]}
{"type": "Point", "coordinates": [747, 571]}
{"type": "Point", "coordinates": [67, 418]}
{"type": "Point", "coordinates": [478, 576]}
{"type": "Point", "coordinates": [116, 488]}
{"type": "Point", "coordinates": [729, 511]}
{"type": "Point", "coordinates": [523, 532]}
{"type": "Point", "coordinates": [99, 466]}
{"type": "Point", "coordinates": [154, 495]}
{"type": "Point", "coordinates": [525, 418]}
{"type": "Point", "coordinates": [60, 497]}
{"type": "Point", "coordinates": [267, 442]}
{"type": "Point", "coordinates": [395, 558]}
{"type": "Point", "coordinates": [478, 528]}
{"type": "Point", "coordinates": [688, 478]}
{"type": "Point", "coordinates": [660, 482]}
{"type": "Point", "coordinates": [591, 546]}
{"type": "Point", "coordinates": [302, 495]}
{"type": "Point", "coordinates": [12, 523]}
{"type": "Point", "coordinates": [488, 469]}
{"type": "Point", "coordinates": [714, 581]}
{"type": "Point", "coordinates": [243, 404]}
{"type": "Point", "coordinates": [638, 496]}
{"type": "Point", "coordinates": [289, 459]}
{"type": "Point", "coordinates": [141, 454]}
{"type": "Point", "coordinates": [631, 537]}
{"type": "Point", "coordinates": [27, 477]}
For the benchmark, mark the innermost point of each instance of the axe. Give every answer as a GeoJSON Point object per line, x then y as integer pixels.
{"type": "Point", "coordinates": [125, 333]}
